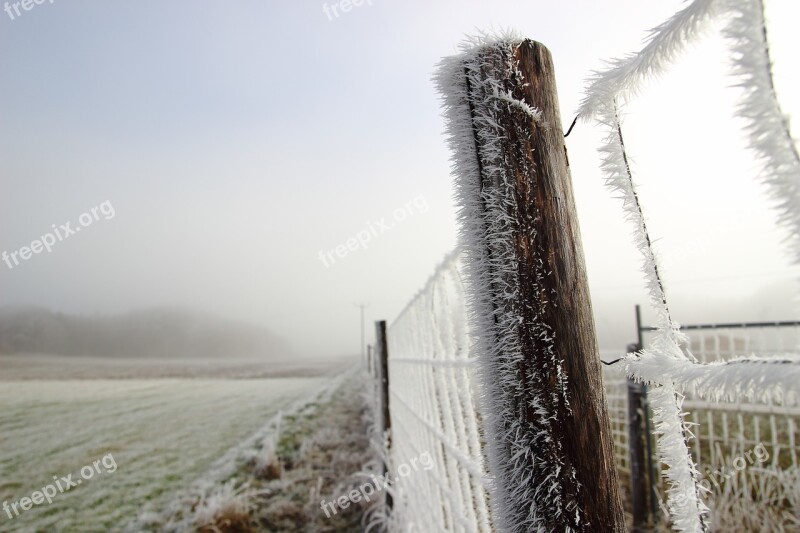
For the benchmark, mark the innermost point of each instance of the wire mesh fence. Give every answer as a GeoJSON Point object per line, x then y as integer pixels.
{"type": "Point", "coordinates": [723, 399]}
{"type": "Point", "coordinates": [433, 403]}
{"type": "Point", "coordinates": [746, 452]}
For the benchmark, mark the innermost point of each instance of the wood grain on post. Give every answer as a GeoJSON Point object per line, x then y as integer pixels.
{"type": "Point", "coordinates": [559, 368]}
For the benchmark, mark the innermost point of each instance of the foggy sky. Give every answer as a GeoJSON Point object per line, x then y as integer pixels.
{"type": "Point", "coordinates": [241, 143]}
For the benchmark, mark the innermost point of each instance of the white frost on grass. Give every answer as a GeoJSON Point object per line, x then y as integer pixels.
{"type": "Point", "coordinates": [226, 506]}
{"type": "Point", "coordinates": [163, 434]}
{"type": "Point", "coordinates": [215, 485]}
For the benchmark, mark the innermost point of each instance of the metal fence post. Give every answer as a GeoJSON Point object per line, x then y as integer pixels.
{"type": "Point", "coordinates": [636, 449]}
{"type": "Point", "coordinates": [382, 353]}
{"type": "Point", "coordinates": [651, 467]}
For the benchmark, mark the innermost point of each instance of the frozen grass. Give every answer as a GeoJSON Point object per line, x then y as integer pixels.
{"type": "Point", "coordinates": [227, 509]}
{"type": "Point", "coordinates": [162, 433]}
{"type": "Point", "coordinates": [316, 450]}
{"type": "Point", "coordinates": [754, 500]}
{"type": "Point", "coordinates": [59, 367]}
{"type": "Point", "coordinates": [758, 501]}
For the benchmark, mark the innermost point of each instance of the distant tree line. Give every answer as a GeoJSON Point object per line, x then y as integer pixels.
{"type": "Point", "coordinates": [159, 333]}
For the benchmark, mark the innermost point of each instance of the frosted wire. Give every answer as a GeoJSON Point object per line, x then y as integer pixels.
{"type": "Point", "coordinates": [770, 138]}
{"type": "Point", "coordinates": [434, 411]}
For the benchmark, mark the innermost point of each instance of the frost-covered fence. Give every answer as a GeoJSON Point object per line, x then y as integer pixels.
{"type": "Point", "coordinates": [616, 386]}
{"type": "Point", "coordinates": [434, 410]}
{"type": "Point", "coordinates": [668, 363]}
{"type": "Point", "coordinates": [524, 329]}
{"type": "Point", "coordinates": [542, 411]}
{"type": "Point", "coordinates": [726, 432]}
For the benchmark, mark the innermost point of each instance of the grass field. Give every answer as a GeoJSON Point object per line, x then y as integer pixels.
{"type": "Point", "coordinates": [163, 434]}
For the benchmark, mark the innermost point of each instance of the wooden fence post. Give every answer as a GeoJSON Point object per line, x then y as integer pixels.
{"type": "Point", "coordinates": [550, 443]}
{"type": "Point", "coordinates": [636, 448]}
{"type": "Point", "coordinates": [382, 353]}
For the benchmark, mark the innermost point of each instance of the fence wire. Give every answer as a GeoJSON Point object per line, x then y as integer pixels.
{"type": "Point", "coordinates": [665, 362]}
{"type": "Point", "coordinates": [746, 451]}
{"type": "Point", "coordinates": [433, 403]}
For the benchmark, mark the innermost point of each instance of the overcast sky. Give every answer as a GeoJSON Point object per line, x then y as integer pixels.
{"type": "Point", "coordinates": [235, 141]}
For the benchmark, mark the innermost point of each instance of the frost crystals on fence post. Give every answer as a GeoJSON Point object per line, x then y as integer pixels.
{"type": "Point", "coordinates": [550, 447]}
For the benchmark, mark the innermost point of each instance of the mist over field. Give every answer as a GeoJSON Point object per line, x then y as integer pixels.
{"type": "Point", "coordinates": [152, 333]}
